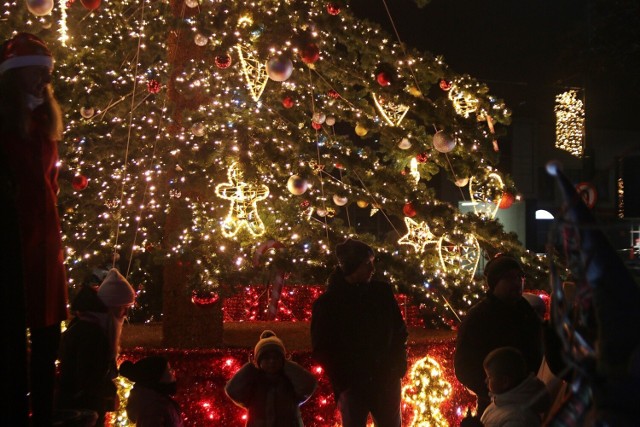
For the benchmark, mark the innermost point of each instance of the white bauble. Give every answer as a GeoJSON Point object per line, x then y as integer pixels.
{"type": "Point", "coordinates": [198, 129]}
{"type": "Point", "coordinates": [404, 144]}
{"type": "Point", "coordinates": [319, 118]}
{"type": "Point", "coordinates": [330, 121]}
{"type": "Point", "coordinates": [461, 182]}
{"type": "Point", "coordinates": [191, 3]}
{"type": "Point", "coordinates": [200, 39]}
{"type": "Point", "coordinates": [87, 112]}
{"type": "Point", "coordinates": [340, 200]}
{"type": "Point", "coordinates": [40, 7]}
{"type": "Point", "coordinates": [296, 185]}
{"type": "Point", "coordinates": [321, 212]}
{"type": "Point", "coordinates": [279, 68]}
{"type": "Point", "coordinates": [443, 142]}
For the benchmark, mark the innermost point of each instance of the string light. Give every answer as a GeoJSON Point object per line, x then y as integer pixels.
{"type": "Point", "coordinates": [569, 111]}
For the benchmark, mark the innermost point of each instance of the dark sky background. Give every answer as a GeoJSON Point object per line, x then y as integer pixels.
{"type": "Point", "coordinates": [527, 51]}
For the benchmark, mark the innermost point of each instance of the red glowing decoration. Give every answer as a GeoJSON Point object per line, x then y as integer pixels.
{"type": "Point", "coordinates": [223, 61]}
{"type": "Point", "coordinates": [79, 182]}
{"type": "Point", "coordinates": [333, 9]}
{"type": "Point", "coordinates": [287, 102]}
{"type": "Point", "coordinates": [422, 157]}
{"type": "Point", "coordinates": [445, 84]}
{"type": "Point", "coordinates": [305, 204]}
{"type": "Point", "coordinates": [90, 4]}
{"type": "Point", "coordinates": [310, 53]}
{"type": "Point", "coordinates": [333, 94]}
{"type": "Point", "coordinates": [204, 298]}
{"type": "Point", "coordinates": [409, 210]}
{"type": "Point", "coordinates": [316, 125]}
{"type": "Point", "coordinates": [383, 78]}
{"type": "Point", "coordinates": [506, 201]}
{"type": "Point", "coordinates": [153, 86]}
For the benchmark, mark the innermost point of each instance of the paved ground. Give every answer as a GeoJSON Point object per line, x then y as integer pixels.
{"type": "Point", "coordinates": [245, 334]}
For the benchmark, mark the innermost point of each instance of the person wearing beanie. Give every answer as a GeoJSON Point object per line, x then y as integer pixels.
{"type": "Point", "coordinates": [150, 401]}
{"type": "Point", "coordinates": [359, 337]}
{"type": "Point", "coordinates": [89, 347]}
{"type": "Point", "coordinates": [30, 128]}
{"type": "Point", "coordinates": [503, 318]}
{"type": "Point", "coordinates": [271, 387]}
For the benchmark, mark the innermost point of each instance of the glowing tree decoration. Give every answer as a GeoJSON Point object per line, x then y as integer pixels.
{"type": "Point", "coordinates": [243, 212]}
{"type": "Point", "coordinates": [486, 191]}
{"type": "Point", "coordinates": [391, 113]}
{"type": "Point", "coordinates": [425, 391]}
{"type": "Point", "coordinates": [459, 255]}
{"type": "Point", "coordinates": [570, 123]}
{"type": "Point", "coordinates": [254, 70]}
{"type": "Point", "coordinates": [418, 235]}
{"type": "Point", "coordinates": [169, 116]}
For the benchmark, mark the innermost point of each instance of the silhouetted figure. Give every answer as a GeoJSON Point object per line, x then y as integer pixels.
{"type": "Point", "coordinates": [359, 337]}
{"type": "Point", "coordinates": [30, 128]}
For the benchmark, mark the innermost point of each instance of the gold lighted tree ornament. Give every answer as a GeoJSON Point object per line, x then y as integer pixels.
{"type": "Point", "coordinates": [569, 111]}
{"type": "Point", "coordinates": [254, 70]}
{"type": "Point", "coordinates": [243, 212]}
{"type": "Point", "coordinates": [486, 192]}
{"type": "Point", "coordinates": [460, 255]}
{"type": "Point", "coordinates": [463, 101]}
{"type": "Point", "coordinates": [392, 113]}
{"type": "Point", "coordinates": [425, 391]}
{"type": "Point", "coordinates": [418, 235]}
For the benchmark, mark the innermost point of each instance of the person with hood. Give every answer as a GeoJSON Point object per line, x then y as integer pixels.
{"type": "Point", "coordinates": [271, 388]}
{"type": "Point", "coordinates": [359, 336]}
{"type": "Point", "coordinates": [90, 346]}
{"type": "Point", "coordinates": [150, 402]}
{"type": "Point", "coordinates": [519, 398]}
{"type": "Point", "coordinates": [34, 275]}
{"type": "Point", "coordinates": [503, 318]}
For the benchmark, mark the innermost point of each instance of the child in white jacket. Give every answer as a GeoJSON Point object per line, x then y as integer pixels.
{"type": "Point", "coordinates": [519, 398]}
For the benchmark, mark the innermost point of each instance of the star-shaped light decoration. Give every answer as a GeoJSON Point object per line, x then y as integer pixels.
{"type": "Point", "coordinates": [418, 235]}
{"type": "Point", "coordinates": [243, 211]}
{"type": "Point", "coordinates": [392, 113]}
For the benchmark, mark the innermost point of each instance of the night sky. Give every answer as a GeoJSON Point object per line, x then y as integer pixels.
{"type": "Point", "coordinates": [529, 50]}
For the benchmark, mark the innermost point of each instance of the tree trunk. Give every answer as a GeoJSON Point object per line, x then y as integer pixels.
{"type": "Point", "coordinates": [184, 324]}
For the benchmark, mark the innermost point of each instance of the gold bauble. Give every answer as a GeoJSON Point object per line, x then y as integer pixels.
{"type": "Point", "coordinates": [361, 130]}
{"type": "Point", "coordinates": [362, 203]}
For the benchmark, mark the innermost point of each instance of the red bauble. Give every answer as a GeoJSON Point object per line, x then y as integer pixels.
{"type": "Point", "coordinates": [383, 78]}
{"type": "Point", "coordinates": [316, 125]}
{"type": "Point", "coordinates": [223, 61]}
{"type": "Point", "coordinates": [409, 210]}
{"type": "Point", "coordinates": [310, 53]}
{"type": "Point", "coordinates": [90, 4]}
{"type": "Point", "coordinates": [445, 84]}
{"type": "Point", "coordinates": [333, 94]}
{"type": "Point", "coordinates": [287, 102]}
{"type": "Point", "coordinates": [506, 201]}
{"type": "Point", "coordinates": [333, 9]}
{"type": "Point", "coordinates": [204, 298]}
{"type": "Point", "coordinates": [422, 157]}
{"type": "Point", "coordinates": [153, 86]}
{"type": "Point", "coordinates": [79, 182]}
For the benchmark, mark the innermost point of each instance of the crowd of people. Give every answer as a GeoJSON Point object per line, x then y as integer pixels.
{"type": "Point", "coordinates": [358, 333]}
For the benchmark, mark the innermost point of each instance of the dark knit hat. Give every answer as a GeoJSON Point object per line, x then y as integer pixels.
{"type": "Point", "coordinates": [351, 254]}
{"type": "Point", "coordinates": [87, 300]}
{"type": "Point", "coordinates": [148, 370]}
{"type": "Point", "coordinates": [268, 342]}
{"type": "Point", "coordinates": [498, 267]}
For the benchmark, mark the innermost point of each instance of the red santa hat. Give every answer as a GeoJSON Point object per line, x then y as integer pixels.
{"type": "Point", "coordinates": [24, 50]}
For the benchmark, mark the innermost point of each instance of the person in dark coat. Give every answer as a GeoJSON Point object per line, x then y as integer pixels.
{"type": "Point", "coordinates": [271, 387]}
{"type": "Point", "coordinates": [503, 318]}
{"type": "Point", "coordinates": [30, 128]}
{"type": "Point", "coordinates": [89, 347]}
{"type": "Point", "coordinates": [150, 402]}
{"type": "Point", "coordinates": [359, 336]}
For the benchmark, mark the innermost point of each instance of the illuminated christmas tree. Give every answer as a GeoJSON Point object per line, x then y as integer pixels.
{"type": "Point", "coordinates": [235, 143]}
